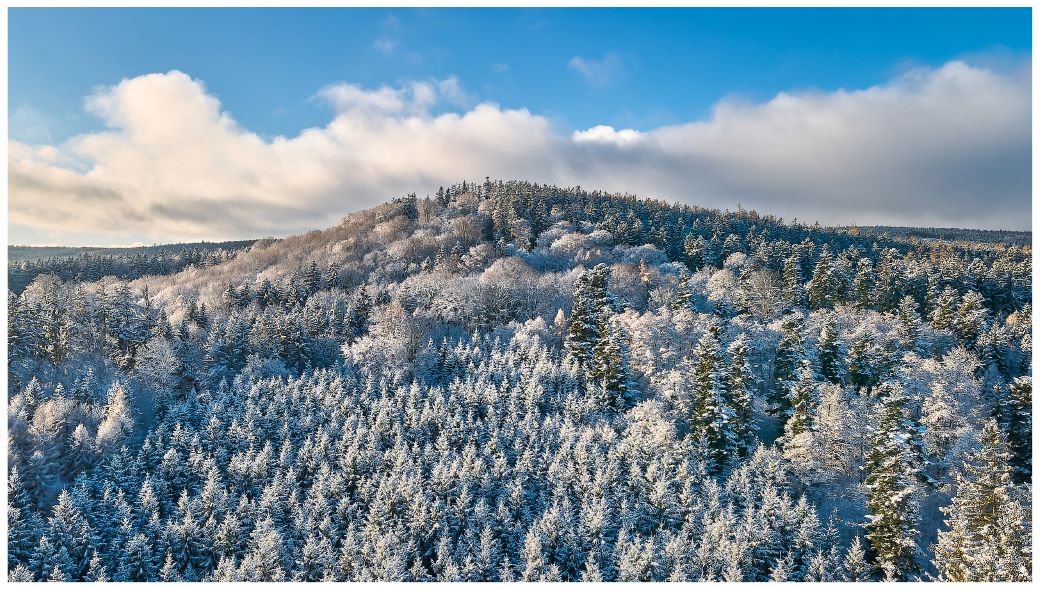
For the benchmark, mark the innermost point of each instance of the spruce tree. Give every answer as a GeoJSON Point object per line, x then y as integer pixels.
{"type": "Point", "coordinates": [610, 364]}
{"type": "Point", "coordinates": [683, 295]}
{"type": "Point", "coordinates": [360, 308]}
{"type": "Point", "coordinates": [830, 353]}
{"type": "Point", "coordinates": [793, 293]}
{"type": "Point", "coordinates": [693, 248]}
{"type": "Point", "coordinates": [584, 327]}
{"type": "Point", "coordinates": [803, 403]}
{"type": "Point", "coordinates": [944, 312]}
{"type": "Point", "coordinates": [989, 536]}
{"type": "Point", "coordinates": [820, 288]}
{"type": "Point", "coordinates": [970, 320]}
{"type": "Point", "coordinates": [739, 386]}
{"type": "Point", "coordinates": [1017, 421]}
{"type": "Point", "coordinates": [863, 284]}
{"type": "Point", "coordinates": [712, 415]}
{"type": "Point", "coordinates": [892, 489]}
{"type": "Point", "coordinates": [789, 356]}
{"type": "Point", "coordinates": [864, 362]}
{"type": "Point", "coordinates": [909, 329]}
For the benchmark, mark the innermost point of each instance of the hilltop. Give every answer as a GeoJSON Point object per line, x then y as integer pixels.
{"type": "Point", "coordinates": [507, 380]}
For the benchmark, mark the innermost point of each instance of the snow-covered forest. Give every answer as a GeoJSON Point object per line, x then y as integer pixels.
{"type": "Point", "coordinates": [510, 381]}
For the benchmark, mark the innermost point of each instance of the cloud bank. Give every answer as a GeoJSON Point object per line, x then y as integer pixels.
{"type": "Point", "coordinates": [945, 147]}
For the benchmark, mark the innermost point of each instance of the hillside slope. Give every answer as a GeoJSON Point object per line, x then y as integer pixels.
{"type": "Point", "coordinates": [515, 381]}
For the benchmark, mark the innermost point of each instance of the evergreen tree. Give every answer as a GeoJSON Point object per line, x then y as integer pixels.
{"type": "Point", "coordinates": [820, 289]}
{"type": "Point", "coordinates": [739, 387]}
{"type": "Point", "coordinates": [855, 567]}
{"type": "Point", "coordinates": [789, 356]}
{"type": "Point", "coordinates": [24, 526]}
{"type": "Point", "coordinates": [587, 316]}
{"type": "Point", "coordinates": [830, 352]}
{"type": "Point", "coordinates": [863, 285]}
{"type": "Point", "coordinates": [803, 403]}
{"type": "Point", "coordinates": [610, 364]}
{"type": "Point", "coordinates": [989, 536]}
{"type": "Point", "coordinates": [683, 295]}
{"type": "Point", "coordinates": [693, 248]}
{"type": "Point", "coordinates": [793, 292]}
{"type": "Point", "coordinates": [1018, 423]}
{"type": "Point", "coordinates": [944, 312]}
{"type": "Point", "coordinates": [360, 308]}
{"type": "Point", "coordinates": [909, 329]}
{"type": "Point", "coordinates": [970, 320]}
{"type": "Point", "coordinates": [864, 360]}
{"type": "Point", "coordinates": [892, 490]}
{"type": "Point", "coordinates": [712, 414]}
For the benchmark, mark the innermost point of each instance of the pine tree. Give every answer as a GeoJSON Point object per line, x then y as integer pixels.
{"type": "Point", "coordinates": [892, 491]}
{"type": "Point", "coordinates": [989, 537]}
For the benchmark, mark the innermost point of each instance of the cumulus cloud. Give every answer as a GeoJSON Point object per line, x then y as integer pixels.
{"type": "Point", "coordinates": [598, 73]}
{"type": "Point", "coordinates": [607, 134]}
{"type": "Point", "coordinates": [948, 146]}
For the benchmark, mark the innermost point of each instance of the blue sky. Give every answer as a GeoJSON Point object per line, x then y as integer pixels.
{"type": "Point", "coordinates": [151, 125]}
{"type": "Point", "coordinates": [668, 66]}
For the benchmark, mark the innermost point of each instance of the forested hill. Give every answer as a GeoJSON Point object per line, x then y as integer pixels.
{"type": "Point", "coordinates": [25, 263]}
{"type": "Point", "coordinates": [511, 381]}
{"type": "Point", "coordinates": [949, 234]}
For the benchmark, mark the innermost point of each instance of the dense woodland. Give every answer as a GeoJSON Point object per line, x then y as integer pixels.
{"type": "Point", "coordinates": [511, 381]}
{"type": "Point", "coordinates": [25, 263]}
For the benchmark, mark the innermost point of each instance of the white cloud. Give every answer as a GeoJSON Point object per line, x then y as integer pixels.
{"type": "Point", "coordinates": [607, 134]}
{"type": "Point", "coordinates": [949, 146]}
{"type": "Point", "coordinates": [598, 73]}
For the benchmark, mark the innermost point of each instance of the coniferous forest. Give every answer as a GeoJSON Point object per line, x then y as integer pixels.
{"type": "Point", "coordinates": [510, 381]}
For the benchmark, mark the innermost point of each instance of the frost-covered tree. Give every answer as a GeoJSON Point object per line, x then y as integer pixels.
{"type": "Point", "coordinates": [1017, 421]}
{"type": "Point", "coordinates": [790, 354]}
{"type": "Point", "coordinates": [610, 364]}
{"type": "Point", "coordinates": [117, 422]}
{"type": "Point", "coordinates": [909, 330]}
{"type": "Point", "coordinates": [740, 388]}
{"type": "Point", "coordinates": [820, 289]}
{"type": "Point", "coordinates": [893, 496]}
{"type": "Point", "coordinates": [829, 351]}
{"type": "Point", "coordinates": [587, 311]}
{"type": "Point", "coordinates": [989, 536]}
{"type": "Point", "coordinates": [712, 419]}
{"type": "Point", "coordinates": [405, 397]}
